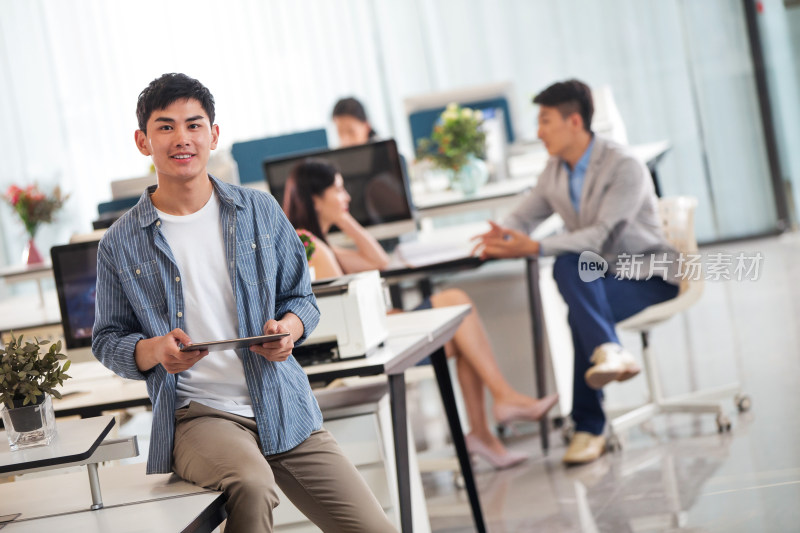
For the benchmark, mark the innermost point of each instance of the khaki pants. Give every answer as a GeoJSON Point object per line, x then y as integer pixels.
{"type": "Point", "coordinates": [221, 451]}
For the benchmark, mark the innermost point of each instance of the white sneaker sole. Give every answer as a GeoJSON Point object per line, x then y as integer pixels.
{"type": "Point", "coordinates": [597, 379]}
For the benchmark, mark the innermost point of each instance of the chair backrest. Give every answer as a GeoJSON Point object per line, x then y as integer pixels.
{"type": "Point", "coordinates": [250, 155]}
{"type": "Point", "coordinates": [677, 221]}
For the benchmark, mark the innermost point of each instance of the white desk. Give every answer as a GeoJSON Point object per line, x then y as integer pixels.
{"type": "Point", "coordinates": [24, 312]}
{"type": "Point", "coordinates": [20, 273]}
{"type": "Point", "coordinates": [498, 194]}
{"type": "Point", "coordinates": [134, 502]}
{"type": "Point", "coordinates": [412, 337]}
{"type": "Point", "coordinates": [74, 440]}
{"type": "Point", "coordinates": [74, 444]}
{"type": "Point", "coordinates": [94, 389]}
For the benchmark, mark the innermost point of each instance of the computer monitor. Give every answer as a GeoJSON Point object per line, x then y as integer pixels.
{"type": "Point", "coordinates": [249, 155]}
{"type": "Point", "coordinates": [373, 176]}
{"type": "Point", "coordinates": [75, 273]}
{"type": "Point", "coordinates": [494, 100]}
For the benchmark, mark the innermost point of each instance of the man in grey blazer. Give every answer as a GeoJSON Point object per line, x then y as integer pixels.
{"type": "Point", "coordinates": [609, 207]}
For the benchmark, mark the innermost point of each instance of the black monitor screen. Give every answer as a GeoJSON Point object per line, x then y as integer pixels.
{"type": "Point", "coordinates": [75, 273]}
{"type": "Point", "coordinates": [373, 176]}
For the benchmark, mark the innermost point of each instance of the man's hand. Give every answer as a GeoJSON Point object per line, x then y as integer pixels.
{"type": "Point", "coordinates": [504, 243]}
{"type": "Point", "coordinates": [277, 351]}
{"type": "Point", "coordinates": [165, 350]}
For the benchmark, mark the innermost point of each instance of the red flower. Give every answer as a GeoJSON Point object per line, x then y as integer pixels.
{"type": "Point", "coordinates": [33, 206]}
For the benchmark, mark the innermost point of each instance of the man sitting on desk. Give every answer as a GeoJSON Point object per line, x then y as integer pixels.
{"type": "Point", "coordinates": [607, 201]}
{"type": "Point", "coordinates": [198, 258]}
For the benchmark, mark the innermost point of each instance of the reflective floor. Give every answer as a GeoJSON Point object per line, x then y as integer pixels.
{"type": "Point", "coordinates": [677, 473]}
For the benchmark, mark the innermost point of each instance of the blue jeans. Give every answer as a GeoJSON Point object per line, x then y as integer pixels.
{"type": "Point", "coordinates": [594, 308]}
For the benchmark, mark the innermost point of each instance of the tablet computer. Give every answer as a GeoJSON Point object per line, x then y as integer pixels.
{"type": "Point", "coordinates": [244, 342]}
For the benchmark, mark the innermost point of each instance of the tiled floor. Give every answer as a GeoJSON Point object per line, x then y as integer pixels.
{"type": "Point", "coordinates": [678, 473]}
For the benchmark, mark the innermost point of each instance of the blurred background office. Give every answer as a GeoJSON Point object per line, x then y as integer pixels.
{"type": "Point", "coordinates": [717, 80]}
{"type": "Point", "coordinates": [679, 70]}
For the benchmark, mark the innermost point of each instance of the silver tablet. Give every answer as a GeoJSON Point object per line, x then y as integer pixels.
{"type": "Point", "coordinates": [245, 342]}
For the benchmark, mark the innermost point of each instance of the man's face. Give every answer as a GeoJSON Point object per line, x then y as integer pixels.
{"type": "Point", "coordinates": [557, 133]}
{"type": "Point", "coordinates": [180, 139]}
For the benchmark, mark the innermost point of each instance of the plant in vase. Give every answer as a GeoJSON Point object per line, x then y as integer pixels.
{"type": "Point", "coordinates": [458, 145]}
{"type": "Point", "coordinates": [34, 208]}
{"type": "Point", "coordinates": [28, 379]}
{"type": "Point", "coordinates": [308, 243]}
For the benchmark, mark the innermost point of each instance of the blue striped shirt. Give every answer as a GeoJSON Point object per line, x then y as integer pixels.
{"type": "Point", "coordinates": [139, 296]}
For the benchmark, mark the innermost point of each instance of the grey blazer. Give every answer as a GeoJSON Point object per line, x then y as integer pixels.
{"type": "Point", "coordinates": [618, 212]}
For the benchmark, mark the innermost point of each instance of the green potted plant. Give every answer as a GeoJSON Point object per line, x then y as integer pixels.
{"type": "Point", "coordinates": [28, 378]}
{"type": "Point", "coordinates": [458, 145]}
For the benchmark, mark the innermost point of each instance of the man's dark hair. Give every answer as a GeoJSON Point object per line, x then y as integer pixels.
{"type": "Point", "coordinates": [571, 96]}
{"type": "Point", "coordinates": [163, 91]}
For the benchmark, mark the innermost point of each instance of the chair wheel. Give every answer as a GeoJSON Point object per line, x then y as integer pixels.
{"type": "Point", "coordinates": [613, 444]}
{"type": "Point", "coordinates": [743, 402]}
{"type": "Point", "coordinates": [723, 423]}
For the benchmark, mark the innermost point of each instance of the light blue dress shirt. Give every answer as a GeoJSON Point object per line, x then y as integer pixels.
{"type": "Point", "coordinates": [139, 296]}
{"type": "Point", "coordinates": [577, 176]}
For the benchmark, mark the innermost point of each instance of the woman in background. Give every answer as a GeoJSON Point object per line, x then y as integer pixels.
{"type": "Point", "coordinates": [315, 200]}
{"type": "Point", "coordinates": [352, 124]}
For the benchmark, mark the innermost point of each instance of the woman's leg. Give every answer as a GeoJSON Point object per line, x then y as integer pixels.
{"type": "Point", "coordinates": [471, 344]}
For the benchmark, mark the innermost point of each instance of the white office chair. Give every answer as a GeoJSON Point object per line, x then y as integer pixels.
{"type": "Point", "coordinates": [677, 216]}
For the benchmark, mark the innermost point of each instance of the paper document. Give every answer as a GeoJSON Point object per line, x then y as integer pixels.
{"type": "Point", "coordinates": [419, 254]}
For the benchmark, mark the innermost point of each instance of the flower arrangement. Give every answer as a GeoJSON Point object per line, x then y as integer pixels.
{"type": "Point", "coordinates": [33, 206]}
{"type": "Point", "coordinates": [308, 242]}
{"type": "Point", "coordinates": [455, 137]}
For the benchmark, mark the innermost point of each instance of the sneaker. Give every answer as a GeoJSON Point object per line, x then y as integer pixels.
{"type": "Point", "coordinates": [584, 448]}
{"type": "Point", "coordinates": [611, 362]}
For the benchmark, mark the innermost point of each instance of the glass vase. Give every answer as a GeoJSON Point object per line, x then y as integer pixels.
{"type": "Point", "coordinates": [471, 176]}
{"type": "Point", "coordinates": [31, 255]}
{"type": "Point", "coordinates": [31, 425]}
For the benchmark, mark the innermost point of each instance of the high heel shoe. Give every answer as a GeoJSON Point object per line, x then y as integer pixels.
{"type": "Point", "coordinates": [504, 413]}
{"type": "Point", "coordinates": [499, 461]}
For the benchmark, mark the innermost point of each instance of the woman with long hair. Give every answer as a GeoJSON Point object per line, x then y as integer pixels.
{"type": "Point", "coordinates": [315, 200]}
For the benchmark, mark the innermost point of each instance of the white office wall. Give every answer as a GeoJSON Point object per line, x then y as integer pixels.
{"type": "Point", "coordinates": [70, 72]}
{"type": "Point", "coordinates": [680, 70]}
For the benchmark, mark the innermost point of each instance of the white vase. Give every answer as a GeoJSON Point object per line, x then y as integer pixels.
{"type": "Point", "coordinates": [312, 273]}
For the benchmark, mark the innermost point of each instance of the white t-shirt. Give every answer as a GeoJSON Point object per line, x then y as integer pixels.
{"type": "Point", "coordinates": [217, 380]}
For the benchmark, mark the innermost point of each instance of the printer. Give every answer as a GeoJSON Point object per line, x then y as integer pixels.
{"type": "Point", "coordinates": [352, 319]}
